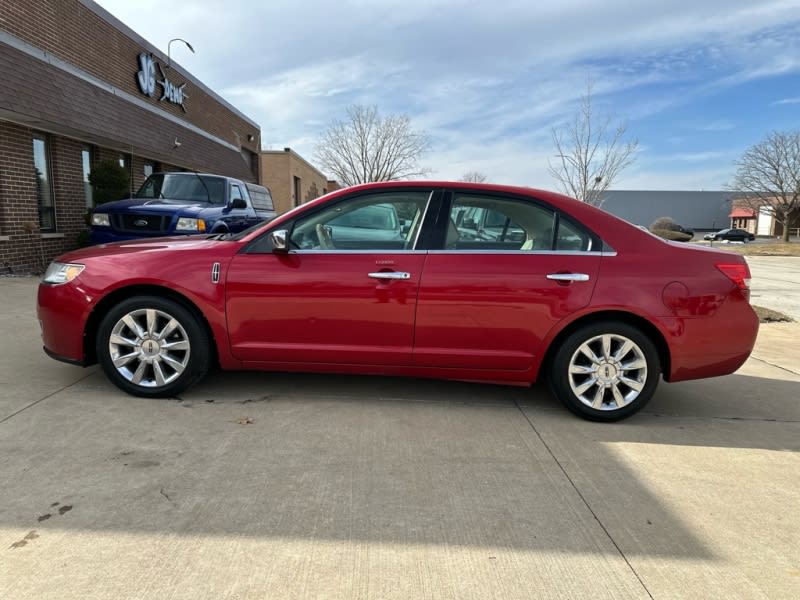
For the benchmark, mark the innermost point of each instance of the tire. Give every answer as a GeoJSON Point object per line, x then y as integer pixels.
{"type": "Point", "coordinates": [152, 347]}
{"type": "Point", "coordinates": [617, 382]}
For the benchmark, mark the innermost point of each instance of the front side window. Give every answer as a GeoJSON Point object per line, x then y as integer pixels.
{"type": "Point", "coordinates": [384, 221]}
{"type": "Point", "coordinates": [236, 193]}
{"type": "Point", "coordinates": [44, 184]}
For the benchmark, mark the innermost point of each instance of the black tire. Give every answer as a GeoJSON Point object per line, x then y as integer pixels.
{"type": "Point", "coordinates": [638, 366]}
{"type": "Point", "coordinates": [145, 330]}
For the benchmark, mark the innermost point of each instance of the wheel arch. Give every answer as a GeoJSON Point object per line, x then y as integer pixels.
{"type": "Point", "coordinates": [645, 326]}
{"type": "Point", "coordinates": [123, 293]}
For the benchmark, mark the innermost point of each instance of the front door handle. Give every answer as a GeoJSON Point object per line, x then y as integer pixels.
{"type": "Point", "coordinates": [389, 275]}
{"type": "Point", "coordinates": [568, 276]}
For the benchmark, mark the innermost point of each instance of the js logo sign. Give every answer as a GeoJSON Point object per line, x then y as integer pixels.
{"type": "Point", "coordinates": [147, 74]}
{"type": "Point", "coordinates": [147, 82]}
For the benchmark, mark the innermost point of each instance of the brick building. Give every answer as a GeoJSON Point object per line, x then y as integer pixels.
{"type": "Point", "coordinates": [292, 179]}
{"type": "Point", "coordinates": [79, 87]}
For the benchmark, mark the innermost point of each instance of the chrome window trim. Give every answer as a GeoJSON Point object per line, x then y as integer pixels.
{"type": "Point", "coordinates": [335, 251]}
{"type": "Point", "coordinates": [524, 252]}
{"type": "Point", "coordinates": [499, 252]}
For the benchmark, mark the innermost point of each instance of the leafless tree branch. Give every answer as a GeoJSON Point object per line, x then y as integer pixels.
{"type": "Point", "coordinates": [474, 177]}
{"type": "Point", "coordinates": [768, 177]}
{"type": "Point", "coordinates": [366, 147]}
{"type": "Point", "coordinates": [590, 156]}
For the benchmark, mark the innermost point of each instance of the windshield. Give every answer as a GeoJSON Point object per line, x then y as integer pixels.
{"type": "Point", "coordinates": [184, 186]}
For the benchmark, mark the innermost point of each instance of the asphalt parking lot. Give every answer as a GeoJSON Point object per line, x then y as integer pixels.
{"type": "Point", "coordinates": [257, 485]}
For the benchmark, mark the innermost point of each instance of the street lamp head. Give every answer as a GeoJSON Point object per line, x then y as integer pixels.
{"type": "Point", "coordinates": [188, 45]}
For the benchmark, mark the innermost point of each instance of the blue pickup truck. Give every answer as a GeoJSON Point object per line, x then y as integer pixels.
{"type": "Point", "coordinates": [182, 204]}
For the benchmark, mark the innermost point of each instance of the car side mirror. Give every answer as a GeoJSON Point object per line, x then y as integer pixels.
{"type": "Point", "coordinates": [280, 241]}
{"type": "Point", "coordinates": [238, 203]}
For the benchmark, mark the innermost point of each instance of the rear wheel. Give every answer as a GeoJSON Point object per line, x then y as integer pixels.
{"type": "Point", "coordinates": [151, 346]}
{"type": "Point", "coordinates": [605, 371]}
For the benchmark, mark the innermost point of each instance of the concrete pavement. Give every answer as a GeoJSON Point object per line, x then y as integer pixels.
{"type": "Point", "coordinates": [258, 485]}
{"type": "Point", "coordinates": [776, 283]}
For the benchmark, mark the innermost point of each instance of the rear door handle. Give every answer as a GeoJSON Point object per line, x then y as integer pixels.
{"type": "Point", "coordinates": [568, 276]}
{"type": "Point", "coordinates": [389, 275]}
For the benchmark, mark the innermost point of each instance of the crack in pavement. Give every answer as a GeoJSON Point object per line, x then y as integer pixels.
{"type": "Point", "coordinates": [583, 499]}
{"type": "Point", "coordinates": [777, 366]}
{"type": "Point", "coordinates": [43, 398]}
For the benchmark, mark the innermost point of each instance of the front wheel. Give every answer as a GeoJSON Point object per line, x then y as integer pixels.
{"type": "Point", "coordinates": [153, 347]}
{"type": "Point", "coordinates": [605, 371]}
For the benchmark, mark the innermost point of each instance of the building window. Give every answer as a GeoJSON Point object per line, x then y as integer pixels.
{"type": "Point", "coordinates": [86, 160]}
{"type": "Point", "coordinates": [44, 184]}
{"type": "Point", "coordinates": [149, 168]}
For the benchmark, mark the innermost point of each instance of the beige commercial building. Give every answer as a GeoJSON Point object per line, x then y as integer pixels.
{"type": "Point", "coordinates": [292, 179]}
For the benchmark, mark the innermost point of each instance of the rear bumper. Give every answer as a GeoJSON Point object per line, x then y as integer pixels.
{"type": "Point", "coordinates": [712, 346]}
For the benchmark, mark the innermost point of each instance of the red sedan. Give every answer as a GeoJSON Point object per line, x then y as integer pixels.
{"type": "Point", "coordinates": [426, 279]}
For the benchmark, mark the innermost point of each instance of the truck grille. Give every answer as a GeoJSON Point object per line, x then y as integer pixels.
{"type": "Point", "coordinates": [148, 224]}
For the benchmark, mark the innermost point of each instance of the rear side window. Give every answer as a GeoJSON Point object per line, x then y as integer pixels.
{"type": "Point", "coordinates": [573, 238]}
{"type": "Point", "coordinates": [493, 223]}
{"type": "Point", "coordinates": [261, 197]}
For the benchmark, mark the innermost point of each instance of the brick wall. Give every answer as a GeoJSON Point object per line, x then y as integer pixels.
{"type": "Point", "coordinates": [79, 34]}
{"type": "Point", "coordinates": [22, 247]}
{"type": "Point", "coordinates": [278, 172]}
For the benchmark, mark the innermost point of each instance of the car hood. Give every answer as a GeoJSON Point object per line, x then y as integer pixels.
{"type": "Point", "coordinates": [162, 244]}
{"type": "Point", "coordinates": [152, 205]}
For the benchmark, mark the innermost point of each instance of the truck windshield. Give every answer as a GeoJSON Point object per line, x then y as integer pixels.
{"type": "Point", "coordinates": [184, 186]}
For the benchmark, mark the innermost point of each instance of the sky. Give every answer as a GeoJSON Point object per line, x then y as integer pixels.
{"type": "Point", "coordinates": [697, 82]}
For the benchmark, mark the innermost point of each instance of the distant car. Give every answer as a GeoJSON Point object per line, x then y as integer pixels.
{"type": "Point", "coordinates": [731, 235]}
{"type": "Point", "coordinates": [686, 230]}
{"type": "Point", "coordinates": [574, 296]}
{"type": "Point", "coordinates": [182, 204]}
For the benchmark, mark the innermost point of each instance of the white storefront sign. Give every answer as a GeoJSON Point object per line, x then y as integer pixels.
{"type": "Point", "coordinates": [147, 79]}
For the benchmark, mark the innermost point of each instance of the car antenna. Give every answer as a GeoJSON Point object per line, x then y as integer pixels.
{"type": "Point", "coordinates": [208, 193]}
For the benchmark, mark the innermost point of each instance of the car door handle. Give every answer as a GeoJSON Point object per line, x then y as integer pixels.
{"type": "Point", "coordinates": [389, 275]}
{"type": "Point", "coordinates": [568, 276]}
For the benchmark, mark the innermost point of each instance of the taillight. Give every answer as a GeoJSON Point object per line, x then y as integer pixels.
{"type": "Point", "coordinates": [739, 274]}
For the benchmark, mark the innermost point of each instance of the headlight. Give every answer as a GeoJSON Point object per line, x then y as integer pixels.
{"type": "Point", "coordinates": [62, 272]}
{"type": "Point", "coordinates": [187, 224]}
{"type": "Point", "coordinates": [100, 220]}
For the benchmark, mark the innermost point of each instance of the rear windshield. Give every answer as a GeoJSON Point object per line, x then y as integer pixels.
{"type": "Point", "coordinates": [184, 186]}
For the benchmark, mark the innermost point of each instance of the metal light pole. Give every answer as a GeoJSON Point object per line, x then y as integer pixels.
{"type": "Point", "coordinates": [188, 45]}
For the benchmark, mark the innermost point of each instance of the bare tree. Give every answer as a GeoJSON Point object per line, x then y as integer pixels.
{"type": "Point", "coordinates": [590, 155]}
{"type": "Point", "coordinates": [366, 147]}
{"type": "Point", "coordinates": [768, 175]}
{"type": "Point", "coordinates": [474, 177]}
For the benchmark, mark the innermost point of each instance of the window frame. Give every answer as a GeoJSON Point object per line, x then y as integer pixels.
{"type": "Point", "coordinates": [598, 246]}
{"type": "Point", "coordinates": [87, 156]}
{"type": "Point", "coordinates": [42, 207]}
{"type": "Point", "coordinates": [262, 244]}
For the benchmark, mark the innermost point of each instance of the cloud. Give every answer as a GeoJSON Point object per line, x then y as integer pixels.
{"type": "Point", "coordinates": [795, 100]}
{"type": "Point", "coordinates": [487, 83]}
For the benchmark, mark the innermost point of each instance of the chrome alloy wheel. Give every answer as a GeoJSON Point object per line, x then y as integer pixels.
{"type": "Point", "coordinates": [607, 372]}
{"type": "Point", "coordinates": [149, 347]}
